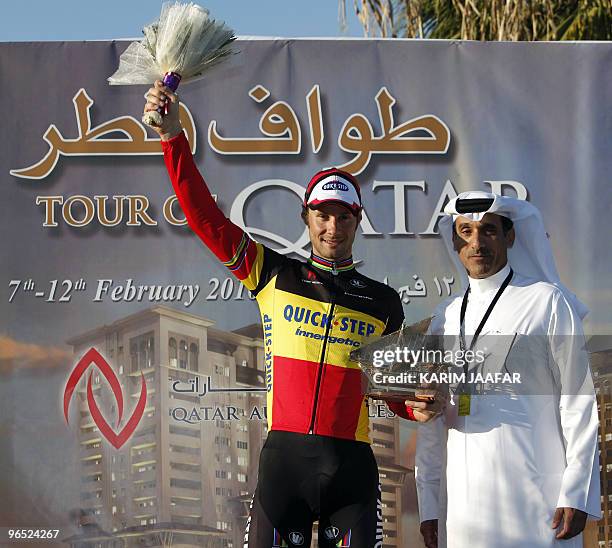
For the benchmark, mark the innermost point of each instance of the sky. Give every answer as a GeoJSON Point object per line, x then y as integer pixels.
{"type": "Point", "coordinates": [34, 20]}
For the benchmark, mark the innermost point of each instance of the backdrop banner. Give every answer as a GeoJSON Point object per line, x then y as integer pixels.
{"type": "Point", "coordinates": [132, 363]}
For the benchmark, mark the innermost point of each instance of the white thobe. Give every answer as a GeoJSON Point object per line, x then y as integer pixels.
{"type": "Point", "coordinates": [494, 478]}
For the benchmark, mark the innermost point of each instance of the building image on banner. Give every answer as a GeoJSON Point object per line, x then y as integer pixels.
{"type": "Point", "coordinates": [186, 474]}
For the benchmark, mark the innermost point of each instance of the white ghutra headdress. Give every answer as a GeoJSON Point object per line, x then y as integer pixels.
{"type": "Point", "coordinates": [531, 255]}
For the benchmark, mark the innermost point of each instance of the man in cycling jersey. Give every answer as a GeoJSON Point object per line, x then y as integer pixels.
{"type": "Point", "coordinates": [316, 462]}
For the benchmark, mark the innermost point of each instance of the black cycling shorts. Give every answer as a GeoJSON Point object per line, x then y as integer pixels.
{"type": "Point", "coordinates": [304, 478]}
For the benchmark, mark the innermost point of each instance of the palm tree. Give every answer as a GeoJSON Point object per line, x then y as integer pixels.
{"type": "Point", "coordinates": [485, 19]}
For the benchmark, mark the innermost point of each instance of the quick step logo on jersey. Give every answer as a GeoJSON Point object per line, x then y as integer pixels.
{"type": "Point", "coordinates": [267, 327]}
{"type": "Point", "coordinates": [303, 315]}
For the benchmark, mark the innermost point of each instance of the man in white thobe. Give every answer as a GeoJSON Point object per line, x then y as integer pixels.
{"type": "Point", "coordinates": [518, 469]}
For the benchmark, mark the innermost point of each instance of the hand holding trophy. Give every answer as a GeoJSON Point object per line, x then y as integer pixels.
{"type": "Point", "coordinates": [395, 366]}
{"type": "Point", "coordinates": [182, 46]}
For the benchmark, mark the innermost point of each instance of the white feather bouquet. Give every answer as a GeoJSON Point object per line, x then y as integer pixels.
{"type": "Point", "coordinates": [182, 45]}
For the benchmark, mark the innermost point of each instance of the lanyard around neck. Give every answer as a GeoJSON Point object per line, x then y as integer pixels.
{"type": "Point", "coordinates": [484, 318]}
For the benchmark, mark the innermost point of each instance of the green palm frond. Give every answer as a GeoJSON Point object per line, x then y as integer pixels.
{"type": "Point", "coordinates": [486, 19]}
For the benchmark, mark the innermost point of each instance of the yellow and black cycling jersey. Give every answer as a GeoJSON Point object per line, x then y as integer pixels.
{"type": "Point", "coordinates": [313, 314]}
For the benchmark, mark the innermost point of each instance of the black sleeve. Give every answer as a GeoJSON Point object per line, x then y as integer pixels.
{"type": "Point", "coordinates": [273, 263]}
{"type": "Point", "coordinates": [396, 314]}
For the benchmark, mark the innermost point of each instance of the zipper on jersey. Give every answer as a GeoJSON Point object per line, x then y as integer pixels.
{"type": "Point", "coordinates": [322, 360]}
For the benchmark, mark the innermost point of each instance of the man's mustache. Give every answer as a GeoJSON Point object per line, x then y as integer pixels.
{"type": "Point", "coordinates": [480, 253]}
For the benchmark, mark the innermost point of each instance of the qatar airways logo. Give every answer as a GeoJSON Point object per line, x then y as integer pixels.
{"type": "Point", "coordinates": [93, 358]}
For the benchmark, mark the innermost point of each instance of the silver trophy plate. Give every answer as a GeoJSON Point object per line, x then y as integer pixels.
{"type": "Point", "coordinates": [396, 364]}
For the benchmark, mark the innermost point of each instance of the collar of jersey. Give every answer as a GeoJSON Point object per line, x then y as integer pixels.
{"type": "Point", "coordinates": [328, 266]}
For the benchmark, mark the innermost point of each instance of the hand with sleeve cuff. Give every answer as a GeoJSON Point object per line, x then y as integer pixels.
{"type": "Point", "coordinates": [428, 404]}
{"type": "Point", "coordinates": [568, 522]}
{"type": "Point", "coordinates": [429, 531]}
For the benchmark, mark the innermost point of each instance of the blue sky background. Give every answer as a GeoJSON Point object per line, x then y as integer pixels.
{"type": "Point", "coordinates": [33, 20]}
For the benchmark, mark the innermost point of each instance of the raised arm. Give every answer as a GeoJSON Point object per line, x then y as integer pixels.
{"type": "Point", "coordinates": [230, 243]}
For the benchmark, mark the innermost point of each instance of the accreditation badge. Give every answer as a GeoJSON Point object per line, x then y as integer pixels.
{"type": "Point", "coordinates": [465, 404]}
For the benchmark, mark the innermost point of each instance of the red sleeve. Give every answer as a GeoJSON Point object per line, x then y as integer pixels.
{"type": "Point", "coordinates": [401, 410]}
{"type": "Point", "coordinates": [230, 243]}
